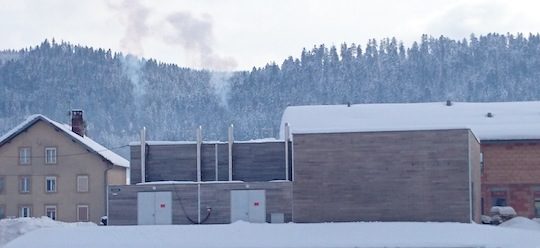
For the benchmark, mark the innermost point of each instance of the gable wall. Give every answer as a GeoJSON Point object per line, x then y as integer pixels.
{"type": "Point", "coordinates": [79, 162]}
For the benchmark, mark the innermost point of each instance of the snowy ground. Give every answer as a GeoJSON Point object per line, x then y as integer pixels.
{"type": "Point", "coordinates": [13, 228]}
{"type": "Point", "coordinates": [519, 233]}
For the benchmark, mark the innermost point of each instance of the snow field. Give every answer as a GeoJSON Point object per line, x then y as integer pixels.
{"type": "Point", "coordinates": [517, 233]}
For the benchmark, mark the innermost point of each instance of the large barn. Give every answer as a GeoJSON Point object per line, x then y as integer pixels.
{"type": "Point", "coordinates": [358, 173]}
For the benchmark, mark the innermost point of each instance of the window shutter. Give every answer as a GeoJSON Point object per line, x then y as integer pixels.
{"type": "Point", "coordinates": [82, 183]}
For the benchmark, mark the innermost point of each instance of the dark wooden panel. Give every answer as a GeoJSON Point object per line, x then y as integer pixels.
{"type": "Point", "coordinates": [259, 161]}
{"type": "Point", "coordinates": [135, 164]}
{"type": "Point", "coordinates": [252, 162]}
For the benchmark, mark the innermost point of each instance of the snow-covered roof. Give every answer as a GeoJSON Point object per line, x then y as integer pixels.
{"type": "Point", "coordinates": [164, 143]}
{"type": "Point", "coordinates": [107, 154]}
{"type": "Point", "coordinates": [488, 121]}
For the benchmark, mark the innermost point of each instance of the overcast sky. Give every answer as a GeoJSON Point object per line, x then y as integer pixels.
{"type": "Point", "coordinates": [240, 34]}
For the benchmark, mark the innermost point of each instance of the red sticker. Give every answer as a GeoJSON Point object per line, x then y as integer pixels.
{"type": "Point", "coordinates": [162, 205]}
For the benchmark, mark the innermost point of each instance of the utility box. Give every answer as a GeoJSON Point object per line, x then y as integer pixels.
{"type": "Point", "coordinates": [277, 218]}
{"type": "Point", "coordinates": [154, 208]}
{"type": "Point", "coordinates": [248, 205]}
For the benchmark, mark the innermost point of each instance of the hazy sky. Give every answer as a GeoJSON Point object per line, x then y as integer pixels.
{"type": "Point", "coordinates": [239, 34]}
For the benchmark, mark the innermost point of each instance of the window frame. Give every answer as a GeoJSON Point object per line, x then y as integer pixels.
{"type": "Point", "coordinates": [2, 184]}
{"type": "Point", "coordinates": [47, 207]}
{"type": "Point", "coordinates": [536, 210]}
{"type": "Point", "coordinates": [87, 183]}
{"type": "Point", "coordinates": [21, 215]}
{"type": "Point", "coordinates": [27, 185]}
{"type": "Point", "coordinates": [54, 185]}
{"type": "Point", "coordinates": [2, 211]}
{"type": "Point", "coordinates": [79, 206]}
{"type": "Point", "coordinates": [28, 155]}
{"type": "Point", "coordinates": [54, 156]}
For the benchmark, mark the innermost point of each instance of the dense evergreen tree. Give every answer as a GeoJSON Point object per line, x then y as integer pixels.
{"type": "Point", "coordinates": [122, 93]}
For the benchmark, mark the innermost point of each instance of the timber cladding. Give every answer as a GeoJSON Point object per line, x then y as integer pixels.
{"type": "Point", "coordinates": [382, 176]}
{"type": "Point", "coordinates": [123, 200]}
{"type": "Point", "coordinates": [252, 162]}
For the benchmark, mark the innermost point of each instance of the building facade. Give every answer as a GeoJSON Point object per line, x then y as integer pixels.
{"type": "Point", "coordinates": [511, 176]}
{"type": "Point", "coordinates": [51, 169]}
{"type": "Point", "coordinates": [508, 132]}
{"type": "Point", "coordinates": [431, 175]}
{"type": "Point", "coordinates": [423, 175]}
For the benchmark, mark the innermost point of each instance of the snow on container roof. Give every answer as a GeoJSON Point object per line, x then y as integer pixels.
{"type": "Point", "coordinates": [488, 121]}
{"type": "Point", "coordinates": [163, 143]}
{"type": "Point", "coordinates": [107, 154]}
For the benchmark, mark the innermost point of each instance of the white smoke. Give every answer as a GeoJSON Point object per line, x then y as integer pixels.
{"type": "Point", "coordinates": [133, 15]}
{"type": "Point", "coordinates": [131, 67]}
{"type": "Point", "coordinates": [221, 85]}
{"type": "Point", "coordinates": [193, 34]}
{"type": "Point", "coordinates": [196, 36]}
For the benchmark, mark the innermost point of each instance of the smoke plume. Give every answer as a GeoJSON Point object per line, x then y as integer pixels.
{"type": "Point", "coordinates": [133, 16]}
{"type": "Point", "coordinates": [195, 35]}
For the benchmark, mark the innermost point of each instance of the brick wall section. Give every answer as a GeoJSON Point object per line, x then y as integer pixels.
{"type": "Point", "coordinates": [382, 176]}
{"type": "Point", "coordinates": [513, 167]}
{"type": "Point", "coordinates": [123, 201]}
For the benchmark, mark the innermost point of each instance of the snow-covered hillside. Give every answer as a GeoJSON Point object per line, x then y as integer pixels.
{"type": "Point", "coordinates": [517, 234]}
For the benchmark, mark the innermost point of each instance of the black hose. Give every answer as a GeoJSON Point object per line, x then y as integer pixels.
{"type": "Point", "coordinates": [208, 210]}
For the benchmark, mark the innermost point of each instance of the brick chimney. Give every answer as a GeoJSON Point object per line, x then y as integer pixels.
{"type": "Point", "coordinates": [77, 122]}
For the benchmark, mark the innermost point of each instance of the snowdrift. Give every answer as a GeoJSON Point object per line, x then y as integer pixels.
{"type": "Point", "coordinates": [13, 228]}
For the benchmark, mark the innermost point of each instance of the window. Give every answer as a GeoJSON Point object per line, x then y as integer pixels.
{"type": "Point", "coordinates": [82, 212]}
{"type": "Point", "coordinates": [25, 184]}
{"type": "Point", "coordinates": [482, 162]}
{"type": "Point", "coordinates": [25, 211]}
{"type": "Point", "coordinates": [50, 184]}
{"type": "Point", "coordinates": [25, 153]}
{"type": "Point", "coordinates": [499, 197]}
{"type": "Point", "coordinates": [2, 212]}
{"type": "Point", "coordinates": [50, 155]}
{"type": "Point", "coordinates": [499, 201]}
{"type": "Point", "coordinates": [50, 211]}
{"type": "Point", "coordinates": [2, 183]}
{"type": "Point", "coordinates": [537, 207]}
{"type": "Point", "coordinates": [82, 183]}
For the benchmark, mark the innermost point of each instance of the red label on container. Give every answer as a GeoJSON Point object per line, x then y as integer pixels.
{"type": "Point", "coordinates": [256, 204]}
{"type": "Point", "coordinates": [162, 205]}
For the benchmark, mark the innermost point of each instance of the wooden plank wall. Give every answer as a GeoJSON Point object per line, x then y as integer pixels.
{"type": "Point", "coordinates": [382, 176]}
{"type": "Point", "coordinates": [123, 201]}
{"type": "Point", "coordinates": [252, 162]}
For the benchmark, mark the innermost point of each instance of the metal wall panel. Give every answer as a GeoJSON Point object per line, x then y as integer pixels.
{"type": "Point", "coordinates": [257, 206]}
{"type": "Point", "coordinates": [239, 205]}
{"type": "Point", "coordinates": [145, 208]}
{"type": "Point", "coordinates": [154, 208]}
{"type": "Point", "coordinates": [248, 205]}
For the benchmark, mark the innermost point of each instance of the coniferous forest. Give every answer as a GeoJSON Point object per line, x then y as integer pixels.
{"type": "Point", "coordinates": [121, 93]}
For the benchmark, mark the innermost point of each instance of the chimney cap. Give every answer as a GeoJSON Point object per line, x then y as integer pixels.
{"type": "Point", "coordinates": [76, 111]}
